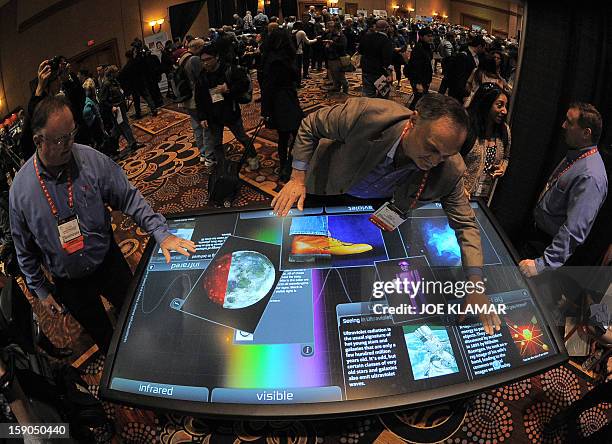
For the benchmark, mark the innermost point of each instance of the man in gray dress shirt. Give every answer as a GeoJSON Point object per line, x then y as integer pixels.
{"type": "Point", "coordinates": [59, 220]}
{"type": "Point", "coordinates": [572, 196]}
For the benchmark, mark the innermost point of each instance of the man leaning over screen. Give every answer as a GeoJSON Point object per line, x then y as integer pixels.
{"type": "Point", "coordinates": [377, 149]}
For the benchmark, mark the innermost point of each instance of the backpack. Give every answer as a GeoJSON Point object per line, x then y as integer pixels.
{"type": "Point", "coordinates": [182, 84]}
{"type": "Point", "coordinates": [231, 72]}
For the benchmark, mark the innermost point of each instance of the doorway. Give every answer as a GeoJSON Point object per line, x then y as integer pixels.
{"type": "Point", "coordinates": [106, 53]}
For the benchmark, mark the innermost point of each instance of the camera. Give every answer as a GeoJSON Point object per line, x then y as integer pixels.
{"type": "Point", "coordinates": [55, 63]}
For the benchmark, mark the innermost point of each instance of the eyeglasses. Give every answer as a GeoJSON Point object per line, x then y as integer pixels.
{"type": "Point", "coordinates": [208, 59]}
{"type": "Point", "coordinates": [62, 140]}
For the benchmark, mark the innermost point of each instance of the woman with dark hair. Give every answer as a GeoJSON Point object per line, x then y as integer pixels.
{"type": "Point", "coordinates": [485, 73]}
{"type": "Point", "coordinates": [280, 105]}
{"type": "Point", "coordinates": [487, 149]}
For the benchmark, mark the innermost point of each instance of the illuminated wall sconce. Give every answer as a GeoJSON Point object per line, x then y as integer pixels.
{"type": "Point", "coordinates": [396, 7]}
{"type": "Point", "coordinates": [156, 23]}
{"type": "Point", "coordinates": [410, 9]}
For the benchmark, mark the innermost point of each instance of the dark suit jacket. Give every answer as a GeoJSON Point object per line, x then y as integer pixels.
{"type": "Point", "coordinates": [376, 52]}
{"type": "Point", "coordinates": [418, 69]}
{"type": "Point", "coordinates": [462, 66]}
{"type": "Point", "coordinates": [342, 143]}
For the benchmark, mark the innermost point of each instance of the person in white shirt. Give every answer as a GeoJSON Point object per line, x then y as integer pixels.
{"type": "Point", "coordinates": [301, 39]}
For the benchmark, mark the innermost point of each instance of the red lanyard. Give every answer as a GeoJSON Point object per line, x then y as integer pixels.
{"type": "Point", "coordinates": [569, 165]}
{"type": "Point", "coordinates": [46, 191]}
{"type": "Point", "coordinates": [425, 176]}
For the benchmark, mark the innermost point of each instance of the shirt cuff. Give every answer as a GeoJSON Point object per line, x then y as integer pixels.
{"type": "Point", "coordinates": [299, 165]}
{"type": "Point", "coordinates": [161, 234]}
{"type": "Point", "coordinates": [540, 264]}
{"type": "Point", "coordinates": [473, 271]}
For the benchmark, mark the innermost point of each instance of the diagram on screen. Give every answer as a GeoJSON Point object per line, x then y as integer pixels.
{"type": "Point", "coordinates": [237, 284]}
{"type": "Point", "coordinates": [527, 334]}
{"type": "Point", "coordinates": [430, 351]}
{"type": "Point", "coordinates": [434, 237]}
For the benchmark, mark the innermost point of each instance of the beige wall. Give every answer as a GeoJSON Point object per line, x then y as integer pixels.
{"type": "Point", "coordinates": [68, 31]}
{"type": "Point", "coordinates": [498, 20]}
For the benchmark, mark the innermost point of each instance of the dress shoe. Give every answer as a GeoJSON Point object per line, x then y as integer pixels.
{"type": "Point", "coordinates": [308, 248]}
{"type": "Point", "coordinates": [154, 113]}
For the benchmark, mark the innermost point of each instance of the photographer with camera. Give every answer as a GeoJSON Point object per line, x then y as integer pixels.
{"type": "Point", "coordinates": [55, 78]}
{"type": "Point", "coordinates": [133, 78]}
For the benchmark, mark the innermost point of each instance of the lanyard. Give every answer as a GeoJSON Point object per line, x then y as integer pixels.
{"type": "Point", "coordinates": [566, 169]}
{"type": "Point", "coordinates": [425, 176]}
{"type": "Point", "coordinates": [45, 191]}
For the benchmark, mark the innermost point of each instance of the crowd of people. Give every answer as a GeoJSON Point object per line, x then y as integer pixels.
{"type": "Point", "coordinates": [454, 142]}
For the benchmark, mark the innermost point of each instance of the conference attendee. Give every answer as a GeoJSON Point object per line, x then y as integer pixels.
{"type": "Point", "coordinates": [487, 159]}
{"type": "Point", "coordinates": [418, 68]}
{"type": "Point", "coordinates": [446, 49]}
{"type": "Point", "coordinates": [485, 73]}
{"type": "Point", "coordinates": [238, 23]}
{"type": "Point", "coordinates": [219, 87]}
{"type": "Point", "coordinates": [280, 105]}
{"type": "Point", "coordinates": [260, 21]}
{"type": "Point", "coordinates": [55, 78]}
{"type": "Point", "coordinates": [399, 48]}
{"type": "Point", "coordinates": [192, 65]}
{"type": "Point", "coordinates": [372, 149]}
{"type": "Point", "coordinates": [301, 42]}
{"type": "Point", "coordinates": [352, 36]}
{"type": "Point", "coordinates": [60, 221]}
{"type": "Point", "coordinates": [92, 115]}
{"type": "Point", "coordinates": [248, 22]}
{"type": "Point", "coordinates": [570, 201]}
{"type": "Point", "coordinates": [134, 79]}
{"type": "Point", "coordinates": [462, 66]}
{"type": "Point", "coordinates": [113, 103]}
{"type": "Point", "coordinates": [335, 47]}
{"type": "Point", "coordinates": [376, 52]}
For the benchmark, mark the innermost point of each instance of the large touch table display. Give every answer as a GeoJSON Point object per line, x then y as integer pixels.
{"type": "Point", "coordinates": [291, 317]}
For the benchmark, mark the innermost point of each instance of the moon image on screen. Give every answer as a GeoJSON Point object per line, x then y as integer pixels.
{"type": "Point", "coordinates": [250, 277]}
{"type": "Point", "coordinates": [240, 280]}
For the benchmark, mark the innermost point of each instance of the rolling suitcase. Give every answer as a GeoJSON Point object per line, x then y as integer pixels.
{"type": "Point", "coordinates": [224, 182]}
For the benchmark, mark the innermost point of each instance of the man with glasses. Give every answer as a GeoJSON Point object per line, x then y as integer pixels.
{"type": "Point", "coordinates": [59, 220]}
{"type": "Point", "coordinates": [218, 92]}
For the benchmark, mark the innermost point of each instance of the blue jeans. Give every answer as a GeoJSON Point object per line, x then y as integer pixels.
{"type": "Point", "coordinates": [310, 225]}
{"type": "Point", "coordinates": [202, 135]}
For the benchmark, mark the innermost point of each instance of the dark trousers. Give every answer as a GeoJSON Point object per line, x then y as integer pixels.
{"type": "Point", "coordinates": [299, 64]}
{"type": "Point", "coordinates": [82, 296]}
{"type": "Point", "coordinates": [284, 154]}
{"type": "Point", "coordinates": [155, 92]}
{"type": "Point", "coordinates": [416, 96]}
{"type": "Point", "coordinates": [146, 95]}
{"type": "Point", "coordinates": [306, 60]}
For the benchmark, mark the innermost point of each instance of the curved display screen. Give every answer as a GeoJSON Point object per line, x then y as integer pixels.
{"type": "Point", "coordinates": [318, 313]}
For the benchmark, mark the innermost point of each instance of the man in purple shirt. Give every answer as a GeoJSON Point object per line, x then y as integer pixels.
{"type": "Point", "coordinates": [59, 219]}
{"type": "Point", "coordinates": [572, 196]}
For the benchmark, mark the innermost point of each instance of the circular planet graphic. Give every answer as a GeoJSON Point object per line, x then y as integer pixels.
{"type": "Point", "coordinates": [250, 276]}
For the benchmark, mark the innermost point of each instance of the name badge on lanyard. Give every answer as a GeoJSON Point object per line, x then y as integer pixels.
{"type": "Point", "coordinates": [70, 234]}
{"type": "Point", "coordinates": [388, 217]}
{"type": "Point", "coordinates": [69, 230]}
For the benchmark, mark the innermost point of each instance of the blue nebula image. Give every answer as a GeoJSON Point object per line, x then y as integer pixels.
{"type": "Point", "coordinates": [441, 243]}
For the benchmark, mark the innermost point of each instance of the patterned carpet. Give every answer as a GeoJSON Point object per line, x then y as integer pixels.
{"type": "Point", "coordinates": [168, 173]}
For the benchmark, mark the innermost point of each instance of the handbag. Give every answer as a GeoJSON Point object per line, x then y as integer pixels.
{"type": "Point", "coordinates": [346, 65]}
